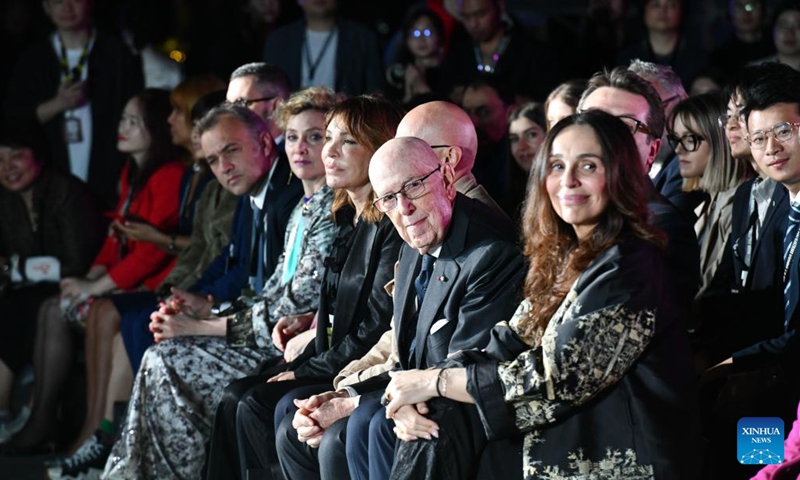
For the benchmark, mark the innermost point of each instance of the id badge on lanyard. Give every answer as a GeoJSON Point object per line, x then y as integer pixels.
{"type": "Point", "coordinates": [73, 130]}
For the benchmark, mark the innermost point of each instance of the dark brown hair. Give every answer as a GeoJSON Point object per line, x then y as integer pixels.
{"type": "Point", "coordinates": [371, 120]}
{"type": "Point", "coordinates": [556, 256]}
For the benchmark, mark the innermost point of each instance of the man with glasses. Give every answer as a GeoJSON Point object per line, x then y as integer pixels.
{"type": "Point", "coordinates": [758, 375]}
{"type": "Point", "coordinates": [757, 205]}
{"type": "Point", "coordinates": [457, 276]}
{"type": "Point", "coordinates": [261, 87]}
{"type": "Point", "coordinates": [665, 171]}
{"type": "Point", "coordinates": [633, 100]}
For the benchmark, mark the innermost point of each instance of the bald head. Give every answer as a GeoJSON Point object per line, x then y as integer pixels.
{"type": "Point", "coordinates": [414, 189]}
{"type": "Point", "coordinates": [444, 123]}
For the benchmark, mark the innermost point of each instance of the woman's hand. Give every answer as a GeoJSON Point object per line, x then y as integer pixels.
{"type": "Point", "coordinates": [287, 327]}
{"type": "Point", "coordinates": [74, 288]}
{"type": "Point", "coordinates": [409, 388]}
{"type": "Point", "coordinates": [166, 323]}
{"type": "Point", "coordinates": [410, 424]}
{"type": "Point", "coordinates": [298, 344]}
{"type": "Point", "coordinates": [140, 231]}
{"type": "Point", "coordinates": [189, 303]}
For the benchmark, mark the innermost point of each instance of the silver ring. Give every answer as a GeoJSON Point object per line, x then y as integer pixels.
{"type": "Point", "coordinates": [385, 400]}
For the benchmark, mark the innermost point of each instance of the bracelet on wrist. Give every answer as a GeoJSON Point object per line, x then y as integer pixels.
{"type": "Point", "coordinates": [441, 383]}
{"type": "Point", "coordinates": [172, 247]}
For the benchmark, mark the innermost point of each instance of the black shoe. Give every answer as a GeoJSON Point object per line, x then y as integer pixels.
{"type": "Point", "coordinates": [90, 460]}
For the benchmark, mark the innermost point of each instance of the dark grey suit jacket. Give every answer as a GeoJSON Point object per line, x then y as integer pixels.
{"type": "Point", "coordinates": [476, 283]}
{"type": "Point", "coordinates": [358, 62]}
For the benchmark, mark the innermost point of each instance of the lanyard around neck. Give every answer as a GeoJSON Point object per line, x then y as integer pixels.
{"type": "Point", "coordinates": [312, 66]}
{"type": "Point", "coordinates": [492, 65]}
{"type": "Point", "coordinates": [77, 71]}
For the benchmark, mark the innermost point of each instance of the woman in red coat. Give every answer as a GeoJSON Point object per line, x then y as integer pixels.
{"type": "Point", "coordinates": [148, 192]}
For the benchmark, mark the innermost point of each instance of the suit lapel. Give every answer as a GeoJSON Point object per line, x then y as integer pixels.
{"type": "Point", "coordinates": [354, 270]}
{"type": "Point", "coordinates": [779, 196]}
{"type": "Point", "coordinates": [445, 273]}
{"type": "Point", "coordinates": [405, 300]}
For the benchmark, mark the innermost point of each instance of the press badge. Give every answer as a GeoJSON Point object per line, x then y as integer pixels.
{"type": "Point", "coordinates": [73, 132]}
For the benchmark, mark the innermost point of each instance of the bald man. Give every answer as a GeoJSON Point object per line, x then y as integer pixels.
{"type": "Point", "coordinates": [457, 276]}
{"type": "Point", "coordinates": [450, 133]}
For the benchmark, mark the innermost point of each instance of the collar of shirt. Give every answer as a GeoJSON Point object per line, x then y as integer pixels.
{"type": "Point", "coordinates": [258, 199]}
{"type": "Point", "coordinates": [794, 198]}
{"type": "Point", "coordinates": [435, 252]}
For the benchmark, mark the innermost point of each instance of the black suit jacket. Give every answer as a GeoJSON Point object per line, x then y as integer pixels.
{"type": "Point", "coordinates": [683, 251]}
{"type": "Point", "coordinates": [765, 259]}
{"type": "Point", "coordinates": [284, 191]}
{"type": "Point", "coordinates": [748, 324]}
{"type": "Point", "coordinates": [358, 62]}
{"type": "Point", "coordinates": [227, 275]}
{"type": "Point", "coordinates": [114, 77]}
{"type": "Point", "coordinates": [363, 306]}
{"type": "Point", "coordinates": [669, 183]}
{"type": "Point", "coordinates": [475, 283]}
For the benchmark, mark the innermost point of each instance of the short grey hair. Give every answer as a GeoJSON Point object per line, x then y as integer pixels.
{"type": "Point", "coordinates": [664, 76]}
{"type": "Point", "coordinates": [254, 124]}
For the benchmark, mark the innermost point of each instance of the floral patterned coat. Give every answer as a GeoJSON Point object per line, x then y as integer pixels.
{"type": "Point", "coordinates": [608, 392]}
{"type": "Point", "coordinates": [311, 220]}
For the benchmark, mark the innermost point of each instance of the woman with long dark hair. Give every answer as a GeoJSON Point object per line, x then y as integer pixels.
{"type": "Point", "coordinates": [596, 339]}
{"type": "Point", "coordinates": [148, 192]}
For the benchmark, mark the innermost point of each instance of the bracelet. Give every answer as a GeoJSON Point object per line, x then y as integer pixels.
{"type": "Point", "coordinates": [171, 246]}
{"type": "Point", "coordinates": [441, 379]}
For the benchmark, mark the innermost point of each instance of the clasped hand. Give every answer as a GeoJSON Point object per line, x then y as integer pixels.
{"type": "Point", "coordinates": [317, 413]}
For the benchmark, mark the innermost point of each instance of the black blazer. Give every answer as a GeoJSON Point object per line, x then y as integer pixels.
{"type": "Point", "coordinates": [358, 61]}
{"type": "Point", "coordinates": [683, 251]}
{"type": "Point", "coordinates": [765, 260]}
{"type": "Point", "coordinates": [476, 282]}
{"type": "Point", "coordinates": [363, 306]}
{"type": "Point", "coordinates": [748, 324]}
{"type": "Point", "coordinates": [114, 77]}
{"type": "Point", "coordinates": [283, 194]}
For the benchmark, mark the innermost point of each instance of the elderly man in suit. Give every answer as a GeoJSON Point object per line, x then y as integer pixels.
{"type": "Point", "coordinates": [458, 274]}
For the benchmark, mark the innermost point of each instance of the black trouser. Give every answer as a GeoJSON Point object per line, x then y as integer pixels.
{"type": "Point", "coordinates": [239, 445]}
{"type": "Point", "coordinates": [462, 450]}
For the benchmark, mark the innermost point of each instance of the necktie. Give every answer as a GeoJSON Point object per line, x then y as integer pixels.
{"type": "Point", "coordinates": [257, 253]}
{"type": "Point", "coordinates": [791, 280]}
{"type": "Point", "coordinates": [420, 286]}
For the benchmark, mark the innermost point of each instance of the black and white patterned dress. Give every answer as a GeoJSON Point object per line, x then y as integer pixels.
{"type": "Point", "coordinates": [181, 380]}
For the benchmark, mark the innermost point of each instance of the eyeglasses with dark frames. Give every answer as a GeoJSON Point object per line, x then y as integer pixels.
{"type": "Point", "coordinates": [635, 125]}
{"type": "Point", "coordinates": [690, 141]}
{"type": "Point", "coordinates": [412, 189]}
{"type": "Point", "coordinates": [247, 102]}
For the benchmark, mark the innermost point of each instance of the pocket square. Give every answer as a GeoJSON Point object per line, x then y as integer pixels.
{"type": "Point", "coordinates": [438, 325]}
